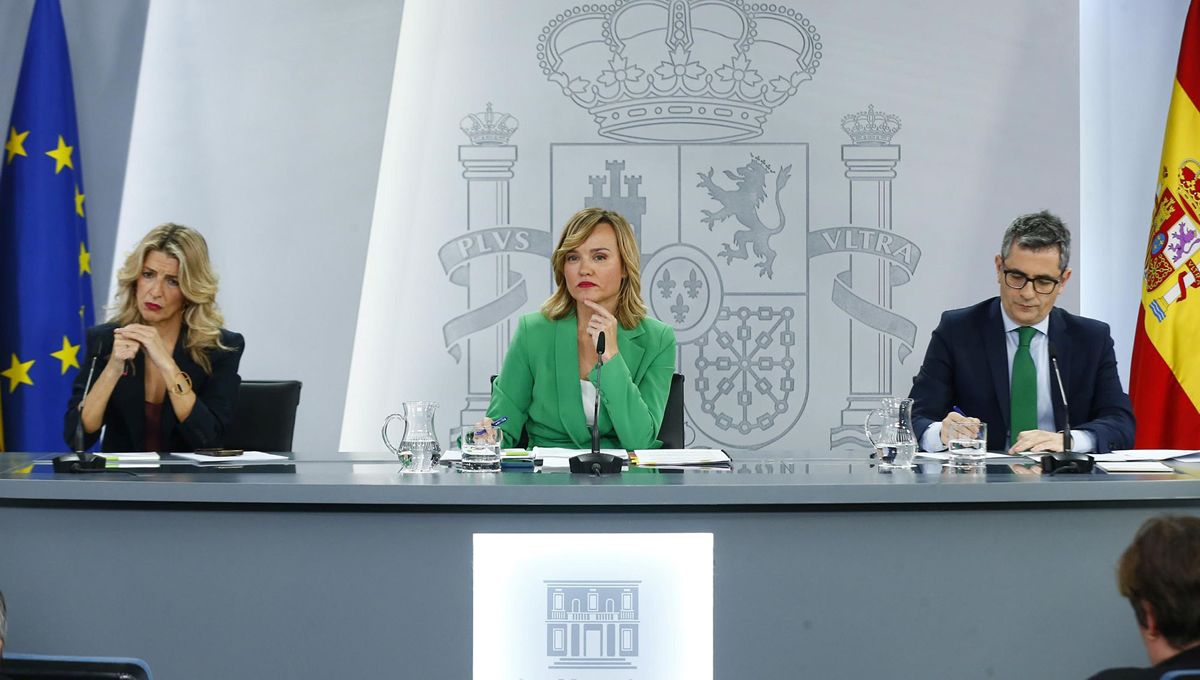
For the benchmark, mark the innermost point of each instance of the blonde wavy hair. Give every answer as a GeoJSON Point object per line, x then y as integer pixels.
{"type": "Point", "coordinates": [197, 281]}
{"type": "Point", "coordinates": [630, 308]}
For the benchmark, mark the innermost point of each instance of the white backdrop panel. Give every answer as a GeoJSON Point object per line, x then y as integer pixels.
{"type": "Point", "coordinates": [793, 349]}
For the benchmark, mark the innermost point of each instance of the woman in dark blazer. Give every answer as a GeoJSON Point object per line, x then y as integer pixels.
{"type": "Point", "coordinates": [167, 373]}
{"type": "Point", "coordinates": [547, 384]}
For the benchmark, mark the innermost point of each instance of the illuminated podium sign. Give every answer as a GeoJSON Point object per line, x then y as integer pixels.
{"type": "Point", "coordinates": [593, 606]}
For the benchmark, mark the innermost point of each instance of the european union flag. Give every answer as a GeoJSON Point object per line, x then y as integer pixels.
{"type": "Point", "coordinates": [45, 271]}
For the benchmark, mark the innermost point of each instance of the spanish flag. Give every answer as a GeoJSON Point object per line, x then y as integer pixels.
{"type": "Point", "coordinates": [1164, 380]}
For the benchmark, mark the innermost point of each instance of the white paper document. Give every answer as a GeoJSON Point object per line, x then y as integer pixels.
{"type": "Point", "coordinates": [651, 457]}
{"type": "Point", "coordinates": [242, 459]}
{"type": "Point", "coordinates": [1128, 466]}
{"type": "Point", "coordinates": [1181, 455]}
{"type": "Point", "coordinates": [547, 452]}
{"type": "Point", "coordinates": [946, 455]}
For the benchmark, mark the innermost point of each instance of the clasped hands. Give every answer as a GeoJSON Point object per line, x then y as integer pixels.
{"type": "Point", "coordinates": [129, 340]}
{"type": "Point", "coordinates": [1030, 440]}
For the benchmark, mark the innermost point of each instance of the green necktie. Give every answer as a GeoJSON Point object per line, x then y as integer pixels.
{"type": "Point", "coordinates": [1024, 385]}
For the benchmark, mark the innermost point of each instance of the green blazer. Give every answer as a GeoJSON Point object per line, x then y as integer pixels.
{"type": "Point", "coordinates": [538, 387]}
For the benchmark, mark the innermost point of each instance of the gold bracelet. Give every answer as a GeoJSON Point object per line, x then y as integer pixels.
{"type": "Point", "coordinates": [181, 388]}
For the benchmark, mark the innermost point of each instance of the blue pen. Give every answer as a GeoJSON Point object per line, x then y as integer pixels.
{"type": "Point", "coordinates": [959, 411]}
{"type": "Point", "coordinates": [495, 423]}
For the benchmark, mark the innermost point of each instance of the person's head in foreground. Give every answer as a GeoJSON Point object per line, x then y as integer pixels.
{"type": "Point", "coordinates": [1159, 573]}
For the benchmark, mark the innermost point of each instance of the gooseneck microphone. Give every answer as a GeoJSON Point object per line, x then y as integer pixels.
{"type": "Point", "coordinates": [83, 460]}
{"type": "Point", "coordinates": [1062, 393]}
{"type": "Point", "coordinates": [1067, 461]}
{"type": "Point", "coordinates": [595, 462]}
{"type": "Point", "coordinates": [596, 406]}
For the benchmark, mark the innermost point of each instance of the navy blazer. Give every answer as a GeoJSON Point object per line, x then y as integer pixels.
{"type": "Point", "coordinates": [966, 365]}
{"type": "Point", "coordinates": [124, 417]}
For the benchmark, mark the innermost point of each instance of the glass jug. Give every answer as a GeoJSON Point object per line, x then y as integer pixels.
{"type": "Point", "coordinates": [890, 431]}
{"type": "Point", "coordinates": [418, 450]}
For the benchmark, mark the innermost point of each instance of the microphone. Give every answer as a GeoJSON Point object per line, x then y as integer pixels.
{"type": "Point", "coordinates": [83, 460]}
{"type": "Point", "coordinates": [1067, 461]}
{"type": "Point", "coordinates": [595, 462]}
{"type": "Point", "coordinates": [1062, 393]}
{"type": "Point", "coordinates": [596, 406]}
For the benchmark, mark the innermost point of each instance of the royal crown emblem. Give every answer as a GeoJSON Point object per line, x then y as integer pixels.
{"type": "Point", "coordinates": [679, 71]}
{"type": "Point", "coordinates": [871, 127]}
{"type": "Point", "coordinates": [488, 128]}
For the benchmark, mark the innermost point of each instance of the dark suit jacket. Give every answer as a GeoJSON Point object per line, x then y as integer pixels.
{"type": "Point", "coordinates": [538, 387]}
{"type": "Point", "coordinates": [1186, 660]}
{"type": "Point", "coordinates": [124, 417]}
{"type": "Point", "coordinates": [966, 365]}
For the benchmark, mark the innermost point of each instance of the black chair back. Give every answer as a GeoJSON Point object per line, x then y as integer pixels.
{"type": "Point", "coordinates": [265, 416]}
{"type": "Point", "coordinates": [39, 667]}
{"type": "Point", "coordinates": [670, 433]}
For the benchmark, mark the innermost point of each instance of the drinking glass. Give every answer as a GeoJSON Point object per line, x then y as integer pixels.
{"type": "Point", "coordinates": [480, 449]}
{"type": "Point", "coordinates": [968, 443]}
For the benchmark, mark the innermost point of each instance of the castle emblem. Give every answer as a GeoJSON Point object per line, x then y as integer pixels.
{"type": "Point", "coordinates": [1170, 261]}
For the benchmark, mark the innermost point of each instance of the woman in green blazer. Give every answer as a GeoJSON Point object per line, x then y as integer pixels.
{"type": "Point", "coordinates": [550, 369]}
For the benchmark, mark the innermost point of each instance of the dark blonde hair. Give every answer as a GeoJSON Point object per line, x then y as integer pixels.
{"type": "Point", "coordinates": [1161, 570]}
{"type": "Point", "coordinates": [197, 281]}
{"type": "Point", "coordinates": [630, 308]}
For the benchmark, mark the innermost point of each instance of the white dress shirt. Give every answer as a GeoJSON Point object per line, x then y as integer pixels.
{"type": "Point", "coordinates": [1081, 440]}
{"type": "Point", "coordinates": [588, 390]}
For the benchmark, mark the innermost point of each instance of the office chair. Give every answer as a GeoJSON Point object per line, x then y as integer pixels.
{"type": "Point", "coordinates": [45, 667]}
{"type": "Point", "coordinates": [670, 433]}
{"type": "Point", "coordinates": [265, 416]}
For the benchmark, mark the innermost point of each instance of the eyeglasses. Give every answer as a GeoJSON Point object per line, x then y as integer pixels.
{"type": "Point", "coordinates": [1043, 285]}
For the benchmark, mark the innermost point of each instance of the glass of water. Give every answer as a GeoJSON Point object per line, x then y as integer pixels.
{"type": "Point", "coordinates": [480, 449]}
{"type": "Point", "coordinates": [968, 443]}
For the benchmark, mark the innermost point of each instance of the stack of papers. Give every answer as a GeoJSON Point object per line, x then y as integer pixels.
{"type": "Point", "coordinates": [946, 455]}
{"type": "Point", "coordinates": [661, 457]}
{"type": "Point", "coordinates": [559, 460]}
{"type": "Point", "coordinates": [133, 459]}
{"type": "Point", "coordinates": [1133, 466]}
{"type": "Point", "coordinates": [545, 452]}
{"type": "Point", "coordinates": [1180, 455]}
{"type": "Point", "coordinates": [245, 458]}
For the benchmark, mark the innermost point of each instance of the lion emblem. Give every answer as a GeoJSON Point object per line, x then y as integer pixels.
{"type": "Point", "coordinates": [742, 202]}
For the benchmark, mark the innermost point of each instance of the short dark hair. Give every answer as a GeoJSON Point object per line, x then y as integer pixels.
{"type": "Point", "coordinates": [1161, 570]}
{"type": "Point", "coordinates": [1036, 231]}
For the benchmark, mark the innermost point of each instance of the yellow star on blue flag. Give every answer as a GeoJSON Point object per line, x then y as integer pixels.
{"type": "Point", "coordinates": [45, 272]}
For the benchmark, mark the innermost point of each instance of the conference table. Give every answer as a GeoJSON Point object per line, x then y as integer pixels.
{"type": "Point", "coordinates": [336, 565]}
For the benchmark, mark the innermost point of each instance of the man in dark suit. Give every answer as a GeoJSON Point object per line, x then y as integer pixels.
{"type": "Point", "coordinates": [1159, 573]}
{"type": "Point", "coordinates": [991, 362]}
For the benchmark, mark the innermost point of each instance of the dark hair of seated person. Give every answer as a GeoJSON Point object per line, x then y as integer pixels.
{"type": "Point", "coordinates": [1160, 573]}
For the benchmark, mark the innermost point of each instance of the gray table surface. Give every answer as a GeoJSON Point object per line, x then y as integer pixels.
{"type": "Point", "coordinates": [824, 567]}
{"type": "Point", "coordinates": [758, 478]}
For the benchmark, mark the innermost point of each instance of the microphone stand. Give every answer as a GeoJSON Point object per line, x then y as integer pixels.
{"type": "Point", "coordinates": [1062, 392]}
{"type": "Point", "coordinates": [82, 460]}
{"type": "Point", "coordinates": [595, 462]}
{"type": "Point", "coordinates": [1067, 461]}
{"type": "Point", "coordinates": [596, 406]}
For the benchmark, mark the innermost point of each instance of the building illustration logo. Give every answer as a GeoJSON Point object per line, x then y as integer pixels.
{"type": "Point", "coordinates": [680, 91]}
{"type": "Point", "coordinates": [592, 624]}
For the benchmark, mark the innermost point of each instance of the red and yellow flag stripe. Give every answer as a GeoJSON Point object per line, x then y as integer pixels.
{"type": "Point", "coordinates": [1164, 378]}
